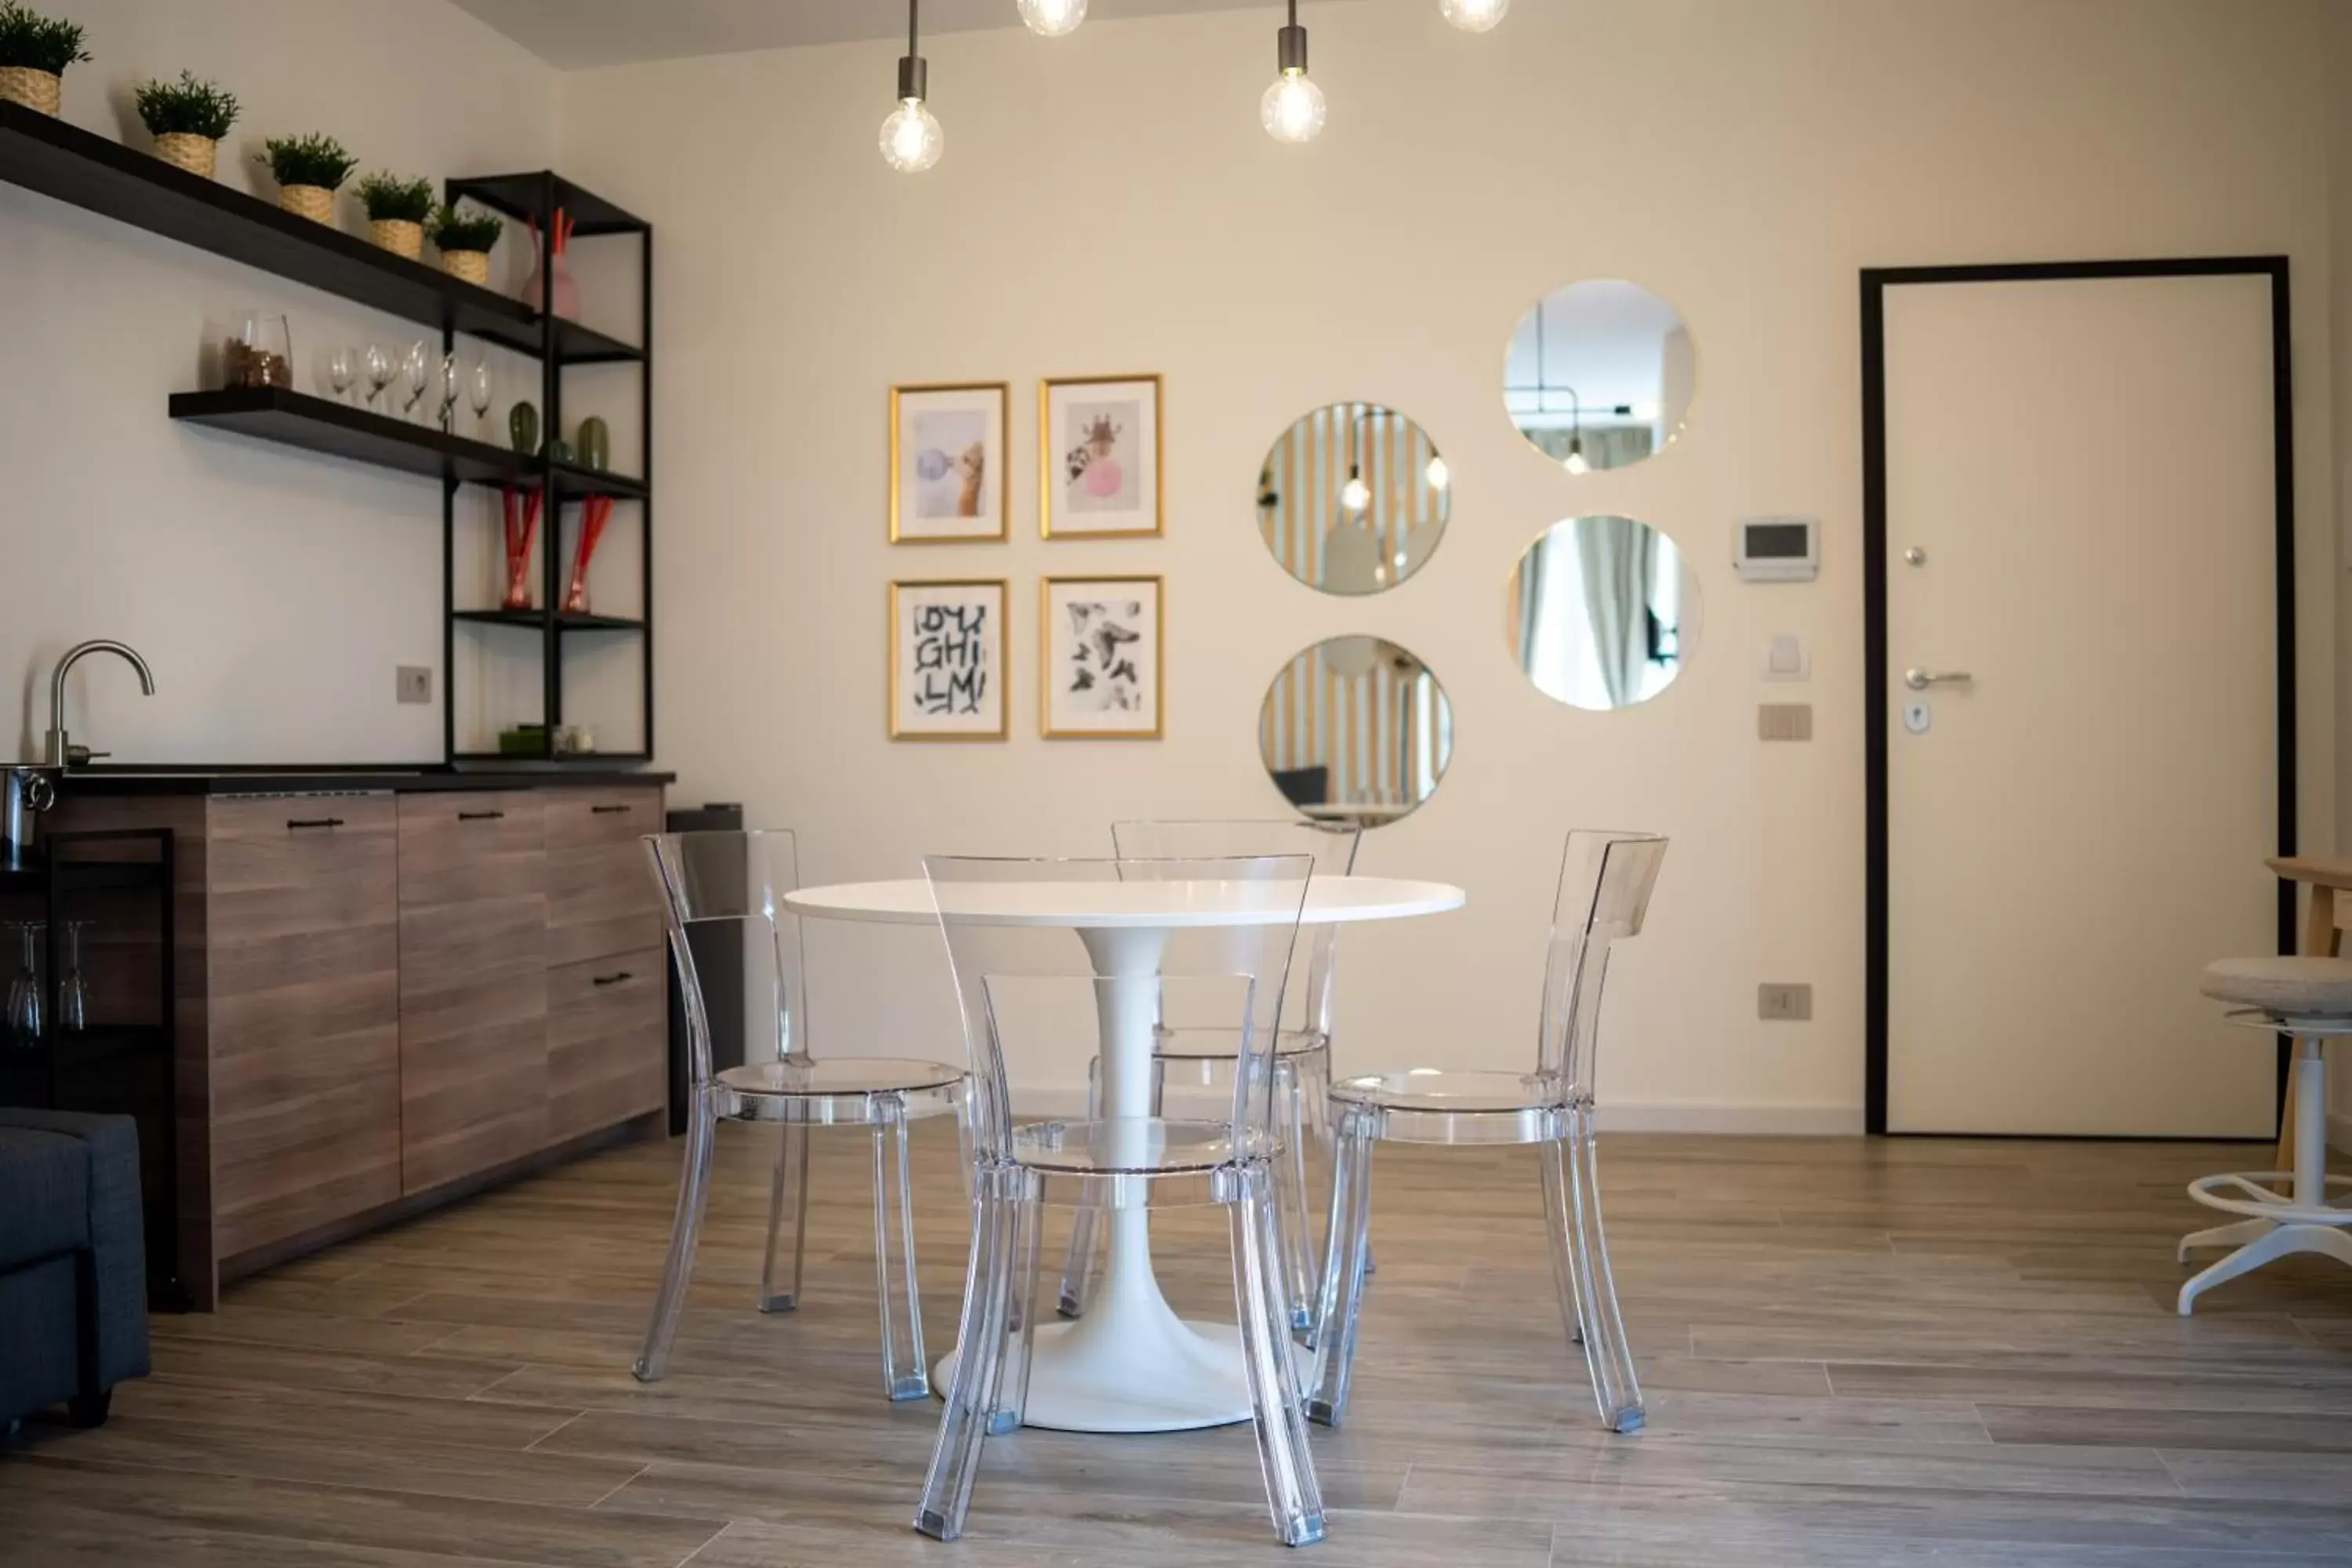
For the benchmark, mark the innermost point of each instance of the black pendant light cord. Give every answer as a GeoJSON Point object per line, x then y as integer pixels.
{"type": "Point", "coordinates": [913, 74]}
{"type": "Point", "coordinates": [1291, 45]}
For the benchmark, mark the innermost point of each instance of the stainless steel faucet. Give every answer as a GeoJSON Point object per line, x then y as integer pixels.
{"type": "Point", "coordinates": [59, 751]}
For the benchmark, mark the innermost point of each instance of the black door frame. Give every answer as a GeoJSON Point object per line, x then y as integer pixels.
{"type": "Point", "coordinates": [1876, 282]}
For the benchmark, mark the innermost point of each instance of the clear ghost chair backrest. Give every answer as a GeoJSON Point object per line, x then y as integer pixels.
{"type": "Point", "coordinates": [740, 877]}
{"type": "Point", "coordinates": [1606, 880]}
{"type": "Point", "coordinates": [1150, 918]}
{"type": "Point", "coordinates": [1330, 847]}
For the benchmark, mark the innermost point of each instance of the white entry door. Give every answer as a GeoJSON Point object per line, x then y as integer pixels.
{"type": "Point", "coordinates": [2080, 518]}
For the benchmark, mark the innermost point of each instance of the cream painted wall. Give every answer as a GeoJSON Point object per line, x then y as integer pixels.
{"type": "Point", "coordinates": [2339, 212]}
{"type": "Point", "coordinates": [274, 593]}
{"type": "Point", "coordinates": [1109, 203]}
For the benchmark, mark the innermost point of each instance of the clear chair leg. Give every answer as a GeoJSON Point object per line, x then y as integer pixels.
{"type": "Point", "coordinates": [903, 1371]}
{"type": "Point", "coordinates": [1012, 1402]}
{"type": "Point", "coordinates": [1290, 1193]}
{"type": "Point", "coordinates": [686, 1228]}
{"type": "Point", "coordinates": [1292, 1496]}
{"type": "Point", "coordinates": [1607, 1355]}
{"type": "Point", "coordinates": [1560, 1230]}
{"type": "Point", "coordinates": [972, 1392]}
{"type": "Point", "coordinates": [1078, 1268]}
{"type": "Point", "coordinates": [789, 1191]}
{"type": "Point", "coordinates": [1345, 1253]}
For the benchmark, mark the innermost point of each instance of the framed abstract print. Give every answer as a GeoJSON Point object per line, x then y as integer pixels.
{"type": "Point", "coordinates": [950, 483]}
{"type": "Point", "coordinates": [1101, 648]}
{"type": "Point", "coordinates": [1100, 451]}
{"type": "Point", "coordinates": [947, 661]}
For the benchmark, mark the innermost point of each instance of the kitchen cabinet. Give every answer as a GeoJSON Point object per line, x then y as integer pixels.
{"type": "Point", "coordinates": [389, 995]}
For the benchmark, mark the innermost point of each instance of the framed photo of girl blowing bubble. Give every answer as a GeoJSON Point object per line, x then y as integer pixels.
{"type": "Point", "coordinates": [949, 481]}
{"type": "Point", "coordinates": [1099, 450]}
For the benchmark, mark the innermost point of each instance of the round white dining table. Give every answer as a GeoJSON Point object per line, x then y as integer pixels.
{"type": "Point", "coordinates": [1130, 1363]}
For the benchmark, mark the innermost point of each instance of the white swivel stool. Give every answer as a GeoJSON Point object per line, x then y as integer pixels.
{"type": "Point", "coordinates": [2310, 1000]}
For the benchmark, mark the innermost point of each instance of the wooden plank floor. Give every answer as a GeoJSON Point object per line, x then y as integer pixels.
{"type": "Point", "coordinates": [1854, 1353]}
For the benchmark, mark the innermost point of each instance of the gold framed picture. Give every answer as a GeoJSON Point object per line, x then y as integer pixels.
{"type": "Point", "coordinates": [948, 660]}
{"type": "Point", "coordinates": [1100, 451]}
{"type": "Point", "coordinates": [1102, 647]}
{"type": "Point", "coordinates": [949, 482]}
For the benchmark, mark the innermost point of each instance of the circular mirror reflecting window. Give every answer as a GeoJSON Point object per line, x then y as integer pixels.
{"type": "Point", "coordinates": [1600, 375]}
{"type": "Point", "coordinates": [1353, 499]}
{"type": "Point", "coordinates": [1603, 612]}
{"type": "Point", "coordinates": [1356, 730]}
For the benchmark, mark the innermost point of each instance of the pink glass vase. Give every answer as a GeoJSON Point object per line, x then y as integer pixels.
{"type": "Point", "coordinates": [566, 290]}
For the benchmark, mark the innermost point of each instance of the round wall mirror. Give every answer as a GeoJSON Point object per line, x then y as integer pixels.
{"type": "Point", "coordinates": [1603, 613]}
{"type": "Point", "coordinates": [1600, 375]}
{"type": "Point", "coordinates": [1353, 499]}
{"type": "Point", "coordinates": [1356, 730]}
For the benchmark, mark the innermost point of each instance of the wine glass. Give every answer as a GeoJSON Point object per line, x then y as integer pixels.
{"type": "Point", "coordinates": [73, 992]}
{"type": "Point", "coordinates": [448, 378]}
{"type": "Point", "coordinates": [413, 371]}
{"type": "Point", "coordinates": [340, 372]}
{"type": "Point", "coordinates": [478, 392]}
{"type": "Point", "coordinates": [25, 991]}
{"type": "Point", "coordinates": [378, 365]}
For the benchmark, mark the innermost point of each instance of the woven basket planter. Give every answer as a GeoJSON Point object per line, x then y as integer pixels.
{"type": "Point", "coordinates": [314, 202]}
{"type": "Point", "coordinates": [473, 266]}
{"type": "Point", "coordinates": [399, 236]}
{"type": "Point", "coordinates": [196, 155]}
{"type": "Point", "coordinates": [33, 89]}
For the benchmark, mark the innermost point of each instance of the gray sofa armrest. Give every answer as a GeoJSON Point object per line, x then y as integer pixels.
{"type": "Point", "coordinates": [118, 1234]}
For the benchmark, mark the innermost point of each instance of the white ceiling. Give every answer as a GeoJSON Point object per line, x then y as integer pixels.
{"type": "Point", "coordinates": [573, 34]}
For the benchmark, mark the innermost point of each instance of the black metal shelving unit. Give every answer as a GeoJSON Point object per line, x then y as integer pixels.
{"type": "Point", "coordinates": [121, 1063]}
{"type": "Point", "coordinates": [536, 198]}
{"type": "Point", "coordinates": [62, 161]}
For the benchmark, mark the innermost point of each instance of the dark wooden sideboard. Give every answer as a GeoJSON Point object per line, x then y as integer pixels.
{"type": "Point", "coordinates": [389, 997]}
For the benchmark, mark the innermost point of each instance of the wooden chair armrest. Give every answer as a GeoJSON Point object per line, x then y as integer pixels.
{"type": "Point", "coordinates": [2318, 873]}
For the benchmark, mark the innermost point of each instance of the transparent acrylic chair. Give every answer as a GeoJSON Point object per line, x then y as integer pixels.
{"type": "Point", "coordinates": [743, 878]}
{"type": "Point", "coordinates": [1202, 1056]}
{"type": "Point", "coordinates": [1603, 892]}
{"type": "Point", "coordinates": [1020, 998]}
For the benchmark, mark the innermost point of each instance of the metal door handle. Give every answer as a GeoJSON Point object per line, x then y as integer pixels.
{"type": "Point", "coordinates": [1920, 680]}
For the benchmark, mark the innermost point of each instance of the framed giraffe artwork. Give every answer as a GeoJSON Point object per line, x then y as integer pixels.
{"type": "Point", "coordinates": [1100, 458]}
{"type": "Point", "coordinates": [950, 483]}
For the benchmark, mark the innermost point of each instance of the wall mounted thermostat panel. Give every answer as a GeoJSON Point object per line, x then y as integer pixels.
{"type": "Point", "coordinates": [1777, 549]}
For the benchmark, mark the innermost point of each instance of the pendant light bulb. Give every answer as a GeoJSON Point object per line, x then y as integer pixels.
{"type": "Point", "coordinates": [1292, 109]}
{"type": "Point", "coordinates": [1355, 495]}
{"type": "Point", "coordinates": [1438, 475]}
{"type": "Point", "coordinates": [1470, 15]}
{"type": "Point", "coordinates": [1576, 463]}
{"type": "Point", "coordinates": [910, 137]}
{"type": "Point", "coordinates": [1053, 18]}
{"type": "Point", "coordinates": [911, 140]}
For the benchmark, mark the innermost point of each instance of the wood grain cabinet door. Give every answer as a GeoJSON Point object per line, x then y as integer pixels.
{"type": "Point", "coordinates": [601, 896]}
{"type": "Point", "coordinates": [473, 982]}
{"type": "Point", "coordinates": [607, 1025]}
{"type": "Point", "coordinates": [304, 982]}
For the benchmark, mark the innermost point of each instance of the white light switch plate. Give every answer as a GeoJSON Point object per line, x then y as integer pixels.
{"type": "Point", "coordinates": [1786, 657]}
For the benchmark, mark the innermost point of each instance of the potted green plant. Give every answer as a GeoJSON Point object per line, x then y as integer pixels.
{"type": "Point", "coordinates": [34, 54]}
{"type": "Point", "coordinates": [310, 170]}
{"type": "Point", "coordinates": [187, 118]}
{"type": "Point", "coordinates": [397, 212]}
{"type": "Point", "coordinates": [465, 239]}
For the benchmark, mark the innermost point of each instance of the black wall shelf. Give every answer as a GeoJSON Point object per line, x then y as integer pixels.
{"type": "Point", "coordinates": [536, 620]}
{"type": "Point", "coordinates": [47, 155]}
{"type": "Point", "coordinates": [56, 159]}
{"type": "Point", "coordinates": [294, 419]}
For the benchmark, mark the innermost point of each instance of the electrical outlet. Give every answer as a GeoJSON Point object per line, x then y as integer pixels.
{"type": "Point", "coordinates": [415, 683]}
{"type": "Point", "coordinates": [1784, 722]}
{"type": "Point", "coordinates": [1784, 1003]}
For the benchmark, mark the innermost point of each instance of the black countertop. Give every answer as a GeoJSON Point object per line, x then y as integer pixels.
{"type": "Point", "coordinates": [165, 778]}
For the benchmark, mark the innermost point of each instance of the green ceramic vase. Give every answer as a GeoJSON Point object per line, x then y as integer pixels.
{"type": "Point", "coordinates": [595, 443]}
{"type": "Point", "coordinates": [522, 428]}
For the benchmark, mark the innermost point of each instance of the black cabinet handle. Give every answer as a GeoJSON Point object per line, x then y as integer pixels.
{"type": "Point", "coordinates": [607, 810]}
{"type": "Point", "coordinates": [300, 822]}
{"type": "Point", "coordinates": [614, 979]}
{"type": "Point", "coordinates": [479, 815]}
